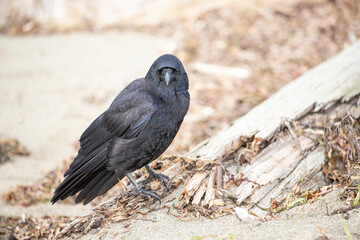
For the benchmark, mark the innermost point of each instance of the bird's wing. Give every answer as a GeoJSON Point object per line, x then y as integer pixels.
{"type": "Point", "coordinates": [128, 124]}
{"type": "Point", "coordinates": [126, 118]}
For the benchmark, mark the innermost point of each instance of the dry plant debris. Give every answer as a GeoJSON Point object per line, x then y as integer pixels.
{"type": "Point", "coordinates": [41, 191]}
{"type": "Point", "coordinates": [342, 141]}
{"type": "Point", "coordinates": [31, 228]}
{"type": "Point", "coordinates": [338, 130]}
{"type": "Point", "coordinates": [209, 190]}
{"type": "Point", "coordinates": [130, 205]}
{"type": "Point", "coordinates": [10, 148]}
{"type": "Point", "coordinates": [343, 151]}
{"type": "Point", "coordinates": [341, 137]}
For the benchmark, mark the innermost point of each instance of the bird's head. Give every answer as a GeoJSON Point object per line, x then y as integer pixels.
{"type": "Point", "coordinates": [167, 77]}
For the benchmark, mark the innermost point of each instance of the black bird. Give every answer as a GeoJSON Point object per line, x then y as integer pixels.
{"type": "Point", "coordinates": [136, 129]}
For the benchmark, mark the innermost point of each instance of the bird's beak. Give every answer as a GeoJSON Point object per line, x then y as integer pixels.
{"type": "Point", "coordinates": [167, 78]}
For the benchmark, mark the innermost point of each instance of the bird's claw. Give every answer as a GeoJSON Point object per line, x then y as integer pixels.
{"type": "Point", "coordinates": [148, 194]}
{"type": "Point", "coordinates": [161, 177]}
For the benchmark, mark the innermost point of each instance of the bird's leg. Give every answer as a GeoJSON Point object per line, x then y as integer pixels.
{"type": "Point", "coordinates": [152, 174]}
{"type": "Point", "coordinates": [148, 194]}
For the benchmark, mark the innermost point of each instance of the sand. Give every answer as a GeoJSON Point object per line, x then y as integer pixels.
{"type": "Point", "coordinates": [303, 222]}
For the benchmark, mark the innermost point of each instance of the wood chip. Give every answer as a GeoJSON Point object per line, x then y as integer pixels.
{"type": "Point", "coordinates": [193, 185]}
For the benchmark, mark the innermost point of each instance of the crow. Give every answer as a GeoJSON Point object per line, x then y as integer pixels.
{"type": "Point", "coordinates": [135, 130]}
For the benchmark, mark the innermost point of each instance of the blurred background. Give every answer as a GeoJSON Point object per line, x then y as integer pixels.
{"type": "Point", "coordinates": [62, 62]}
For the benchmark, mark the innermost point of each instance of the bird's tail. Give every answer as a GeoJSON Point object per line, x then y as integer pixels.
{"type": "Point", "coordinates": [91, 179]}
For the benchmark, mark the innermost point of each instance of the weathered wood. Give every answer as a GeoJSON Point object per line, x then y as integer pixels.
{"type": "Point", "coordinates": [337, 79]}
{"type": "Point", "coordinates": [285, 163]}
{"type": "Point", "coordinates": [193, 185]}
{"type": "Point", "coordinates": [210, 190]}
{"type": "Point", "coordinates": [199, 194]}
{"type": "Point", "coordinates": [219, 174]}
{"type": "Point", "coordinates": [278, 168]}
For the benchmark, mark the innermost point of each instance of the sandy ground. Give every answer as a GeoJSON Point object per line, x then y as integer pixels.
{"type": "Point", "coordinates": [305, 222]}
{"type": "Point", "coordinates": [46, 82]}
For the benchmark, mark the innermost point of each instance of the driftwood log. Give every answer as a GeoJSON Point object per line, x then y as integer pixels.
{"type": "Point", "coordinates": [282, 164]}
{"type": "Point", "coordinates": [296, 156]}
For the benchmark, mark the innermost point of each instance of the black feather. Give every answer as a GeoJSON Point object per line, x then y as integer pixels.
{"type": "Point", "coordinates": [85, 191]}
{"type": "Point", "coordinates": [109, 184]}
{"type": "Point", "coordinates": [95, 190]}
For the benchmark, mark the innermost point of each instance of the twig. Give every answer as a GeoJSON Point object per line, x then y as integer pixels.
{"type": "Point", "coordinates": [345, 210]}
{"type": "Point", "coordinates": [219, 175]}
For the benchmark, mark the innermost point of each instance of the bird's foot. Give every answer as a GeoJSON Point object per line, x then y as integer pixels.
{"type": "Point", "coordinates": [146, 193]}
{"type": "Point", "coordinates": [161, 177]}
